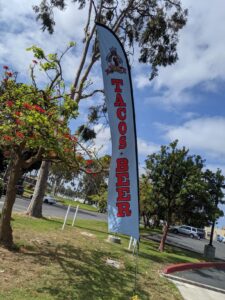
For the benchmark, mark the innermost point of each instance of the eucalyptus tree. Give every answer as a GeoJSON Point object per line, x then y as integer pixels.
{"type": "Point", "coordinates": [151, 25]}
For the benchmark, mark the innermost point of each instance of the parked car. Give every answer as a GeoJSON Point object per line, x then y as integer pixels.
{"type": "Point", "coordinates": [220, 238]}
{"type": "Point", "coordinates": [49, 200]}
{"type": "Point", "coordinates": [192, 232]}
{"type": "Point", "coordinates": [19, 189]}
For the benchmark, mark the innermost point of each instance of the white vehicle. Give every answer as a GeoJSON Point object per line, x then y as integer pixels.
{"type": "Point", "coordinates": [49, 200]}
{"type": "Point", "coordinates": [220, 238]}
{"type": "Point", "coordinates": [192, 232]}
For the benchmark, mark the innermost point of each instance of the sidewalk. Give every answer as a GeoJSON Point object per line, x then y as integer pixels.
{"type": "Point", "coordinates": [200, 281]}
{"type": "Point", "coordinates": [192, 292]}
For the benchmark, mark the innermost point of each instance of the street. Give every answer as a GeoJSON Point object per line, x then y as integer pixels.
{"type": "Point", "coordinates": [190, 244]}
{"type": "Point", "coordinates": [57, 210]}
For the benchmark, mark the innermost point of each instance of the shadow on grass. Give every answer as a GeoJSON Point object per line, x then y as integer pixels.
{"type": "Point", "coordinates": [92, 229]}
{"type": "Point", "coordinates": [171, 254]}
{"type": "Point", "coordinates": [83, 274]}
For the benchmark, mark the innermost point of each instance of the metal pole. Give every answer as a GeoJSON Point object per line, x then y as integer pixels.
{"type": "Point", "coordinates": [68, 209]}
{"type": "Point", "coordinates": [75, 215]}
{"type": "Point", "coordinates": [130, 243]}
{"type": "Point", "coordinates": [211, 234]}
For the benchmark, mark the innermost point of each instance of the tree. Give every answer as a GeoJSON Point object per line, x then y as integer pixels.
{"type": "Point", "coordinates": [61, 172]}
{"type": "Point", "coordinates": [153, 25]}
{"type": "Point", "coordinates": [100, 198]}
{"type": "Point", "coordinates": [146, 209]}
{"type": "Point", "coordinates": [216, 184]}
{"type": "Point", "coordinates": [30, 122]}
{"type": "Point", "coordinates": [93, 186]}
{"type": "Point", "coordinates": [178, 187]}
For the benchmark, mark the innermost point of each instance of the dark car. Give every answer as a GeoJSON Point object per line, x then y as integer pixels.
{"type": "Point", "coordinates": [19, 189]}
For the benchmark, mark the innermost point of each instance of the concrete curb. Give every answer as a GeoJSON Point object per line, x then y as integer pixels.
{"type": "Point", "coordinates": [192, 266]}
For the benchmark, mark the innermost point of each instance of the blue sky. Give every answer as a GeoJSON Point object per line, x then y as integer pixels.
{"type": "Point", "coordinates": [186, 100]}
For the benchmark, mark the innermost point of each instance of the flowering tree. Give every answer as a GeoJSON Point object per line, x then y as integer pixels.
{"type": "Point", "coordinates": [34, 126]}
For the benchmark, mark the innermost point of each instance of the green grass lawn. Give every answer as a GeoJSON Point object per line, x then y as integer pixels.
{"type": "Point", "coordinates": [71, 264]}
{"type": "Point", "coordinates": [75, 203]}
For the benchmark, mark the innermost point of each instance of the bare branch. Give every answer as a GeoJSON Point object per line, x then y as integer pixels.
{"type": "Point", "coordinates": [88, 19]}
{"type": "Point", "coordinates": [84, 56]}
{"type": "Point", "coordinates": [122, 16]}
{"type": "Point", "coordinates": [84, 78]}
{"type": "Point", "coordinates": [173, 3]}
{"type": "Point", "coordinates": [91, 94]}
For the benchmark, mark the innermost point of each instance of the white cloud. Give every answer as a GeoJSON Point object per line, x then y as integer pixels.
{"type": "Point", "coordinates": [201, 55]}
{"type": "Point", "coordinates": [146, 148]}
{"type": "Point", "coordinates": [102, 143]}
{"type": "Point", "coordinates": [204, 134]}
{"type": "Point", "coordinates": [19, 30]}
{"type": "Point", "coordinates": [142, 81]}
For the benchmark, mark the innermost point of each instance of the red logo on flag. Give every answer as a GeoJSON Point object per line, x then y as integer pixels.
{"type": "Point", "coordinates": [115, 62]}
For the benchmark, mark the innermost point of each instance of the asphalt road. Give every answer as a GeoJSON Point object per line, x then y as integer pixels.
{"type": "Point", "coordinates": [57, 210]}
{"type": "Point", "coordinates": [190, 244]}
{"type": "Point", "coordinates": [210, 277]}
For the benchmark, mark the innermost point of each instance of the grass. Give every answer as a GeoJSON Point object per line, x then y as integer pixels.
{"type": "Point", "coordinates": [75, 203]}
{"type": "Point", "coordinates": [71, 264]}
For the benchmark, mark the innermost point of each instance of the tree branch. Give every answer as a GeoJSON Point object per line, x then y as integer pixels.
{"type": "Point", "coordinates": [83, 59]}
{"type": "Point", "coordinates": [91, 94]}
{"type": "Point", "coordinates": [82, 81]}
{"type": "Point", "coordinates": [26, 164]}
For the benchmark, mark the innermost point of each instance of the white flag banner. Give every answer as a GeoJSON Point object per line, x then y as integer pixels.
{"type": "Point", "coordinates": [123, 195]}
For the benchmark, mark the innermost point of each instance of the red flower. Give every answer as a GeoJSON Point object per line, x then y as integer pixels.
{"type": "Point", "coordinates": [38, 108]}
{"type": "Point", "coordinates": [74, 139]}
{"type": "Point", "coordinates": [27, 106]}
{"type": "Point", "coordinates": [18, 113]}
{"type": "Point", "coordinates": [7, 137]}
{"type": "Point", "coordinates": [9, 103]}
{"type": "Point", "coordinates": [19, 134]}
{"type": "Point", "coordinates": [67, 136]}
{"type": "Point", "coordinates": [18, 122]}
{"type": "Point", "coordinates": [89, 162]}
{"type": "Point", "coordinates": [5, 67]}
{"type": "Point", "coordinates": [89, 171]}
{"type": "Point", "coordinates": [10, 74]}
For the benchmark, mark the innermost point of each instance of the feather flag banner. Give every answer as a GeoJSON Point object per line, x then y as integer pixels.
{"type": "Point", "coordinates": [123, 192]}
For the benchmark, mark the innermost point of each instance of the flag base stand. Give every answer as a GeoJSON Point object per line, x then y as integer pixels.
{"type": "Point", "coordinates": [114, 239]}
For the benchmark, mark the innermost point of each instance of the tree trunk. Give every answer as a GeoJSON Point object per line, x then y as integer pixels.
{"type": "Point", "coordinates": [162, 242]}
{"type": "Point", "coordinates": [35, 207]}
{"type": "Point", "coordinates": [54, 188]}
{"type": "Point", "coordinates": [146, 220]}
{"type": "Point", "coordinates": [6, 237]}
